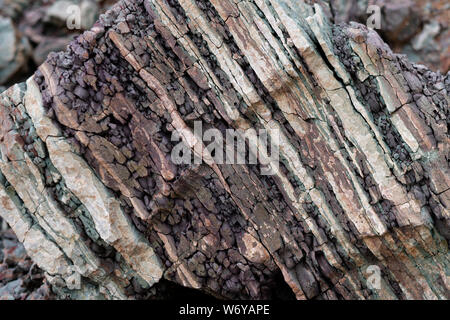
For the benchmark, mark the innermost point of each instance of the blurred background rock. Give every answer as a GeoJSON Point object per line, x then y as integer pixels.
{"type": "Point", "coordinates": [417, 28]}
{"type": "Point", "coordinates": [31, 29]}
{"type": "Point", "coordinates": [20, 278]}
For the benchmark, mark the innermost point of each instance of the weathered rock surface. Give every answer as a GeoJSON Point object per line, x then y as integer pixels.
{"type": "Point", "coordinates": [89, 186]}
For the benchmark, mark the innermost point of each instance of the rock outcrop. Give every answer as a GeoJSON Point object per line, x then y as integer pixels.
{"type": "Point", "coordinates": [20, 278]}
{"type": "Point", "coordinates": [89, 184]}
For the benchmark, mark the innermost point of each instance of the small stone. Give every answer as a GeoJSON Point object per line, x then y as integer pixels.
{"type": "Point", "coordinates": [123, 27]}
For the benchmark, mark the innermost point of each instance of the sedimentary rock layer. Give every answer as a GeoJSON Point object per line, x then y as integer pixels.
{"type": "Point", "coordinates": [89, 185]}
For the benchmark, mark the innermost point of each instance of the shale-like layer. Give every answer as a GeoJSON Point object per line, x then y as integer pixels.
{"type": "Point", "coordinates": [89, 185]}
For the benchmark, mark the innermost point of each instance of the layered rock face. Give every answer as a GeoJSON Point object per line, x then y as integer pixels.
{"type": "Point", "coordinates": [89, 184]}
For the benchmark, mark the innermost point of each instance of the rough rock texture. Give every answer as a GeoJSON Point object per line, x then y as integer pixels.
{"type": "Point", "coordinates": [417, 28]}
{"type": "Point", "coordinates": [89, 187]}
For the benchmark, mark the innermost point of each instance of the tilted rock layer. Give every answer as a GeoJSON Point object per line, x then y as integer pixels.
{"type": "Point", "coordinates": [89, 186]}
